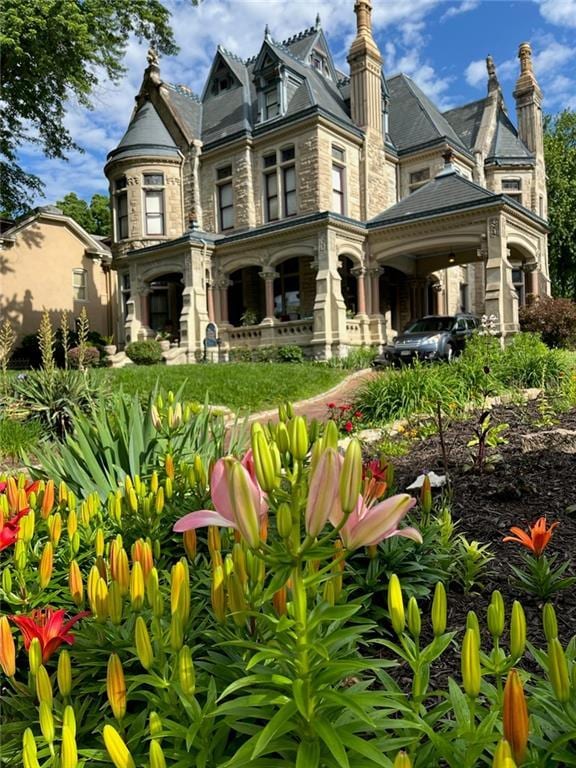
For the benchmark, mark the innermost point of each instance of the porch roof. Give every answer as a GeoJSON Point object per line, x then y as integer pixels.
{"type": "Point", "coordinates": [448, 192]}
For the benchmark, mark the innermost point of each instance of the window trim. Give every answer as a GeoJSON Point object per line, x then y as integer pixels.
{"type": "Point", "coordinates": [119, 197]}
{"type": "Point", "coordinates": [148, 190]}
{"type": "Point", "coordinates": [279, 170]}
{"type": "Point", "coordinates": [225, 178]}
{"type": "Point", "coordinates": [82, 273]}
{"type": "Point", "coordinates": [413, 185]}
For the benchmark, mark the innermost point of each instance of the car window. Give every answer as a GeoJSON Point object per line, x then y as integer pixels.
{"type": "Point", "coordinates": [460, 324]}
{"type": "Point", "coordinates": [430, 324]}
{"type": "Point", "coordinates": [471, 323]}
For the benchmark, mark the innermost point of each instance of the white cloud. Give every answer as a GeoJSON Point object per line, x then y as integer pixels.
{"type": "Point", "coordinates": [475, 73]}
{"type": "Point", "coordinates": [560, 12]}
{"type": "Point", "coordinates": [464, 7]}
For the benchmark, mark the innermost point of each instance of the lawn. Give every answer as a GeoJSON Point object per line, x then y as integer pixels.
{"type": "Point", "coordinates": [239, 386]}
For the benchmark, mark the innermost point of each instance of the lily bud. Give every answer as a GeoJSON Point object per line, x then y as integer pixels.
{"type": "Point", "coordinates": [496, 615]}
{"type": "Point", "coordinates": [284, 520]}
{"type": "Point", "coordinates": [46, 565]}
{"type": "Point", "coordinates": [503, 756]}
{"type": "Point", "coordinates": [7, 648]}
{"type": "Point", "coordinates": [217, 596]}
{"type": "Point", "coordinates": [323, 492]}
{"type": "Point", "coordinates": [34, 655]}
{"type": "Point", "coordinates": [298, 433]}
{"type": "Point", "coordinates": [200, 471]}
{"type": "Point", "coordinates": [154, 484]}
{"type": "Point", "coordinates": [472, 623]}
{"type": "Point", "coordinates": [47, 499]}
{"type": "Point", "coordinates": [331, 435]}
{"type": "Point", "coordinates": [515, 716]}
{"type": "Point", "coordinates": [69, 719]}
{"type": "Point", "coordinates": [115, 603]}
{"type": "Point", "coordinates": [117, 749]}
{"type": "Point", "coordinates": [470, 664]}
{"type": "Point", "coordinates": [236, 600]}
{"type": "Point", "coordinates": [239, 561]}
{"type": "Point", "coordinates": [214, 541]}
{"type": "Point", "coordinates": [6, 578]}
{"type": "Point", "coordinates": [186, 673]}
{"type": "Point", "coordinates": [154, 724]}
{"type": "Point", "coordinates": [190, 543]}
{"type": "Point", "coordinates": [47, 722]}
{"type": "Point", "coordinates": [64, 673]}
{"type": "Point", "coordinates": [120, 569]}
{"type": "Point", "coordinates": [116, 686]}
{"type": "Point", "coordinates": [396, 604]}
{"type": "Point", "coordinates": [558, 670]}
{"type": "Point", "coordinates": [100, 602]}
{"type": "Point", "coordinates": [142, 553]}
{"type": "Point", "coordinates": [132, 499]}
{"type": "Point", "coordinates": [99, 543]}
{"type": "Point", "coordinates": [155, 418]}
{"type": "Point", "coordinates": [550, 622]}
{"type": "Point", "coordinates": [402, 761]}
{"type": "Point", "coordinates": [351, 477]}
{"type": "Point", "coordinates": [168, 489]}
{"type": "Point", "coordinates": [517, 631]}
{"type": "Point", "coordinates": [29, 751]}
{"type": "Point", "coordinates": [169, 466]}
{"type": "Point", "coordinates": [27, 527]}
{"type": "Point", "coordinates": [439, 610]}
{"type": "Point", "coordinates": [153, 593]}
{"type": "Point", "coordinates": [282, 438]}
{"type": "Point", "coordinates": [176, 632]}
{"type": "Point", "coordinates": [246, 515]}
{"type": "Point", "coordinates": [263, 463]}
{"type": "Point", "coordinates": [136, 586]}
{"type": "Point", "coordinates": [414, 618]}
{"type": "Point", "coordinates": [55, 527]}
{"type": "Point", "coordinates": [426, 496]}
{"type": "Point", "coordinates": [157, 759]}
{"type": "Point", "coordinates": [20, 556]}
{"type": "Point", "coordinates": [43, 685]}
{"type": "Point", "coordinates": [68, 752]}
{"type": "Point", "coordinates": [143, 645]}
{"type": "Point", "coordinates": [279, 601]}
{"type": "Point", "coordinates": [72, 523]}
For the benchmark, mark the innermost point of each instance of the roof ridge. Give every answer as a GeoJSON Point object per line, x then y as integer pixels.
{"type": "Point", "coordinates": [232, 55]}
{"type": "Point", "coordinates": [463, 106]}
{"type": "Point", "coordinates": [415, 88]}
{"type": "Point", "coordinates": [183, 90]}
{"type": "Point", "coordinates": [300, 35]}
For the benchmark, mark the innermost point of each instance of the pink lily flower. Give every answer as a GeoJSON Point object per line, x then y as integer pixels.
{"type": "Point", "coordinates": [367, 526]}
{"type": "Point", "coordinates": [238, 500]}
{"type": "Point", "coordinates": [323, 495]}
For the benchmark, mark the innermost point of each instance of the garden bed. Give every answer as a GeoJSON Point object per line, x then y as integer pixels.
{"type": "Point", "coordinates": [515, 492]}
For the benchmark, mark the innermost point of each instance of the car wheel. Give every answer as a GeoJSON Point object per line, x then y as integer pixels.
{"type": "Point", "coordinates": [449, 354]}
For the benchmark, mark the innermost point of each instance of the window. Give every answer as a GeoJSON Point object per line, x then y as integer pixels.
{"type": "Point", "coordinates": [225, 198]}
{"type": "Point", "coordinates": [287, 290]}
{"type": "Point", "coordinates": [280, 184]}
{"type": "Point", "coordinates": [79, 284]}
{"type": "Point", "coordinates": [121, 207]}
{"type": "Point", "coordinates": [518, 280]}
{"type": "Point", "coordinates": [153, 186]}
{"type": "Point", "coordinates": [338, 180]}
{"type": "Point", "coordinates": [417, 179]}
{"type": "Point", "coordinates": [512, 188]}
{"type": "Point", "coordinates": [271, 103]}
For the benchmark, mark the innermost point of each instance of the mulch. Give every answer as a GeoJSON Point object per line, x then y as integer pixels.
{"type": "Point", "coordinates": [521, 488]}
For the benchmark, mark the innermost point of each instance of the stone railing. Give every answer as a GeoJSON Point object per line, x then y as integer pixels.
{"type": "Point", "coordinates": [354, 331]}
{"type": "Point", "coordinates": [289, 332]}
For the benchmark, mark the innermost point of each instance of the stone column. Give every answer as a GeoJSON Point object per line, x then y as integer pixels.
{"type": "Point", "coordinates": [329, 337]}
{"type": "Point", "coordinates": [501, 296]}
{"type": "Point", "coordinates": [532, 282]}
{"type": "Point", "coordinates": [194, 315]}
{"type": "Point", "coordinates": [135, 326]}
{"type": "Point", "coordinates": [377, 320]}
{"type": "Point", "coordinates": [360, 275]}
{"type": "Point", "coordinates": [210, 301]}
{"type": "Point", "coordinates": [269, 275]}
{"type": "Point", "coordinates": [375, 273]}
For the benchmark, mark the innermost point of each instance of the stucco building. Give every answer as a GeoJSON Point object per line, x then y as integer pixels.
{"type": "Point", "coordinates": [48, 261]}
{"type": "Point", "coordinates": [294, 203]}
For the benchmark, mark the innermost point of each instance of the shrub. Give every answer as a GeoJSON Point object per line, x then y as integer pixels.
{"type": "Point", "coordinates": [147, 352]}
{"type": "Point", "coordinates": [291, 353]}
{"type": "Point", "coordinates": [241, 355]}
{"type": "Point", "coordinates": [553, 319]}
{"type": "Point", "coordinates": [91, 357]}
{"type": "Point", "coordinates": [265, 355]}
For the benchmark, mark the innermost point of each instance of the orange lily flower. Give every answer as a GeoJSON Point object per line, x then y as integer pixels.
{"type": "Point", "coordinates": [538, 538]}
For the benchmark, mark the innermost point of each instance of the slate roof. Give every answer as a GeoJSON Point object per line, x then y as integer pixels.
{"type": "Point", "coordinates": [187, 107]}
{"type": "Point", "coordinates": [146, 135]}
{"type": "Point", "coordinates": [466, 120]}
{"type": "Point", "coordinates": [507, 147]}
{"type": "Point", "coordinates": [414, 120]}
{"type": "Point", "coordinates": [448, 191]}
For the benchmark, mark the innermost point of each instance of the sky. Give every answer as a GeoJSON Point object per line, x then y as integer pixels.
{"type": "Point", "coordinates": [441, 44]}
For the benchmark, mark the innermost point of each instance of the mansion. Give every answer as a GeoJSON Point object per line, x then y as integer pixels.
{"type": "Point", "coordinates": [292, 203]}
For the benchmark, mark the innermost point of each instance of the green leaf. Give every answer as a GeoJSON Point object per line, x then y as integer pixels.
{"type": "Point", "coordinates": [280, 721]}
{"type": "Point", "coordinates": [331, 739]}
{"type": "Point", "coordinates": [308, 755]}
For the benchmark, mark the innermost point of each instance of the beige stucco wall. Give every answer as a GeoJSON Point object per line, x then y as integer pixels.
{"type": "Point", "coordinates": [36, 273]}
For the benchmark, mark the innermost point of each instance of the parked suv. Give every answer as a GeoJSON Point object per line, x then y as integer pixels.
{"type": "Point", "coordinates": [433, 337]}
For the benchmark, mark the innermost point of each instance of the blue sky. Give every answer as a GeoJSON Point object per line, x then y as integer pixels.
{"type": "Point", "coordinates": [442, 44]}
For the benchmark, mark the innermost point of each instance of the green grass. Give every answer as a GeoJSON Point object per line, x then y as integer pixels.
{"type": "Point", "coordinates": [239, 386]}
{"type": "Point", "coordinates": [16, 436]}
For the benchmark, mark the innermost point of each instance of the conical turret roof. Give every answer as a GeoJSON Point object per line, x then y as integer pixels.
{"type": "Point", "coordinates": [146, 135]}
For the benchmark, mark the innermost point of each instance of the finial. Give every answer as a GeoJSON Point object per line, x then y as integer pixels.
{"type": "Point", "coordinates": [267, 32]}
{"type": "Point", "coordinates": [363, 11]}
{"type": "Point", "coordinates": [318, 24]}
{"type": "Point", "coordinates": [525, 56]}
{"type": "Point", "coordinates": [493, 84]}
{"type": "Point", "coordinates": [490, 66]}
{"type": "Point", "coordinates": [152, 56]}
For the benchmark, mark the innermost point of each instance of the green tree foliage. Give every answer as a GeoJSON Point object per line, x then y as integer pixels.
{"type": "Point", "coordinates": [94, 217]}
{"type": "Point", "coordinates": [53, 51]}
{"type": "Point", "coordinates": [560, 154]}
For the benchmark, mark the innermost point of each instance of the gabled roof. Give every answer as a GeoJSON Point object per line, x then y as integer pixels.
{"type": "Point", "coordinates": [448, 191]}
{"type": "Point", "coordinates": [466, 120]}
{"type": "Point", "coordinates": [186, 107]}
{"type": "Point", "coordinates": [414, 120]}
{"type": "Point", "coordinates": [507, 147]}
{"type": "Point", "coordinates": [146, 135]}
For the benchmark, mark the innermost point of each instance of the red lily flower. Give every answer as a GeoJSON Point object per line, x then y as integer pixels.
{"type": "Point", "coordinates": [49, 627]}
{"type": "Point", "coordinates": [10, 529]}
{"type": "Point", "coordinates": [538, 538]}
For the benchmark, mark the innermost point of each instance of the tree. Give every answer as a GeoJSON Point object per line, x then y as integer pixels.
{"type": "Point", "coordinates": [95, 218]}
{"type": "Point", "coordinates": [54, 51]}
{"type": "Point", "coordinates": [560, 156]}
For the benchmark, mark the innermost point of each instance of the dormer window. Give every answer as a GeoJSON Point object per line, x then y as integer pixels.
{"type": "Point", "coordinates": [271, 103]}
{"type": "Point", "coordinates": [513, 188]}
{"type": "Point", "coordinates": [319, 63]}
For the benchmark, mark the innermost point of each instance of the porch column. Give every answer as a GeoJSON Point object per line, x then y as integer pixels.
{"type": "Point", "coordinates": [375, 273]}
{"type": "Point", "coordinates": [360, 275]}
{"type": "Point", "coordinates": [210, 301]}
{"type": "Point", "coordinates": [501, 295]}
{"type": "Point", "coordinates": [269, 275]}
{"type": "Point", "coordinates": [532, 286]}
{"type": "Point", "coordinates": [223, 283]}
